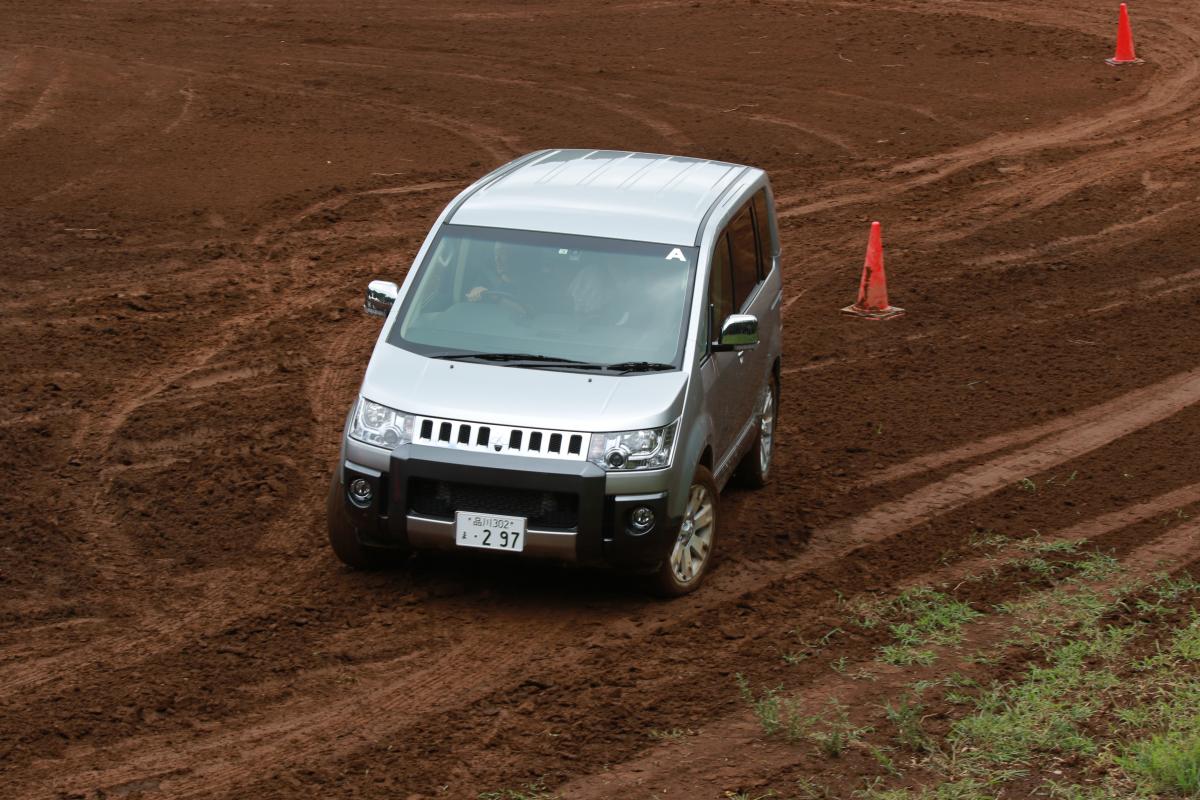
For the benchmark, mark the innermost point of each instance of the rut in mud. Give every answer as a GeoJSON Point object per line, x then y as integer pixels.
{"type": "Point", "coordinates": [194, 197]}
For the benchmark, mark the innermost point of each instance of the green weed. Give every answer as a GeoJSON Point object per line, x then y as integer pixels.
{"type": "Point", "coordinates": [1134, 722]}
{"type": "Point", "coordinates": [905, 717]}
{"type": "Point", "coordinates": [781, 716]}
{"type": "Point", "coordinates": [906, 656]}
{"type": "Point", "coordinates": [1187, 640]}
{"type": "Point", "coordinates": [834, 732]}
{"type": "Point", "coordinates": [1166, 763]}
{"type": "Point", "coordinates": [919, 618]}
{"type": "Point", "coordinates": [534, 791]}
{"type": "Point", "coordinates": [1035, 544]}
{"type": "Point", "coordinates": [987, 538]}
{"type": "Point", "coordinates": [885, 761]}
{"type": "Point", "coordinates": [1097, 566]}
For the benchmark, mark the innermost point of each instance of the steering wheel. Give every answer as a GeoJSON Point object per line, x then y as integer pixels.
{"type": "Point", "coordinates": [506, 296]}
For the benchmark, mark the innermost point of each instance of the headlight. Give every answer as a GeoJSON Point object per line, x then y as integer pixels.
{"type": "Point", "coordinates": [631, 450]}
{"type": "Point", "coordinates": [381, 426]}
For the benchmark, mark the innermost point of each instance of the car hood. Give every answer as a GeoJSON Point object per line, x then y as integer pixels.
{"type": "Point", "coordinates": [522, 397]}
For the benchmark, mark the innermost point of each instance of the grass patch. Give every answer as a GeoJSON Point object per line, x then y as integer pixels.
{"type": "Point", "coordinates": [981, 537]}
{"type": "Point", "coordinates": [534, 791]}
{"type": "Point", "coordinates": [905, 718]}
{"type": "Point", "coordinates": [1107, 704]}
{"type": "Point", "coordinates": [903, 656]}
{"type": "Point", "coordinates": [1035, 544]}
{"type": "Point", "coordinates": [1121, 702]}
{"type": "Point", "coordinates": [1097, 567]}
{"type": "Point", "coordinates": [781, 716]}
{"type": "Point", "coordinates": [919, 618]}
{"type": "Point", "coordinates": [1166, 763]}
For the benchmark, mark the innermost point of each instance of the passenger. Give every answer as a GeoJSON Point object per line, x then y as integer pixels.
{"type": "Point", "coordinates": [594, 297]}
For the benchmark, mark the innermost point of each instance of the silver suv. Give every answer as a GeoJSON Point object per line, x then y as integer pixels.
{"type": "Point", "coordinates": [584, 353]}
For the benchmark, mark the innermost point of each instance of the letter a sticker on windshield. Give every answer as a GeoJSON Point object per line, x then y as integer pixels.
{"type": "Point", "coordinates": [676, 255]}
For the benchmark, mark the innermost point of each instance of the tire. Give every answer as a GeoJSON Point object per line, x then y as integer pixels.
{"type": "Point", "coordinates": [691, 552]}
{"type": "Point", "coordinates": [755, 469]}
{"type": "Point", "coordinates": [343, 538]}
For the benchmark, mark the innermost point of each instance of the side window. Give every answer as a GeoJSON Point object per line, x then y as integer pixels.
{"type": "Point", "coordinates": [745, 256]}
{"type": "Point", "coordinates": [720, 287]}
{"type": "Point", "coordinates": [762, 224]}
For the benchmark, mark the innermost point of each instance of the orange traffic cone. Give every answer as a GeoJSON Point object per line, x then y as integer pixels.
{"type": "Point", "coordinates": [1125, 53]}
{"type": "Point", "coordinates": [872, 291]}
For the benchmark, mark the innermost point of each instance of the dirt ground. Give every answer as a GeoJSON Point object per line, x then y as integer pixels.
{"type": "Point", "coordinates": [194, 195]}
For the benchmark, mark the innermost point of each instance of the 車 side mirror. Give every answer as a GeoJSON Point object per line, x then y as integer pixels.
{"type": "Point", "coordinates": [381, 296]}
{"type": "Point", "coordinates": [738, 332]}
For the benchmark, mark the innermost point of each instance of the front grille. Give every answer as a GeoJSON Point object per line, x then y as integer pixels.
{"type": "Point", "coordinates": [440, 499]}
{"type": "Point", "coordinates": [503, 439]}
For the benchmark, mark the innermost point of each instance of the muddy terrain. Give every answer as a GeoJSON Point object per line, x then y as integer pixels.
{"type": "Point", "coordinates": [193, 197]}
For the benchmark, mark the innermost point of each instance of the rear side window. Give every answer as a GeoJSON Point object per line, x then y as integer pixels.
{"type": "Point", "coordinates": [745, 256]}
{"type": "Point", "coordinates": [720, 287]}
{"type": "Point", "coordinates": [762, 224]}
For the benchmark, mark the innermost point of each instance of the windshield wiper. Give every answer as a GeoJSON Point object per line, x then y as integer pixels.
{"type": "Point", "coordinates": [540, 359]}
{"type": "Point", "coordinates": [639, 366]}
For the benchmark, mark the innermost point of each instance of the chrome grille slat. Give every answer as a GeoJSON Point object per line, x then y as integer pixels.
{"type": "Point", "coordinates": [483, 437]}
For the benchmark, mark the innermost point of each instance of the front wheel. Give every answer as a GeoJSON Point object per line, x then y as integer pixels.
{"type": "Point", "coordinates": [692, 550]}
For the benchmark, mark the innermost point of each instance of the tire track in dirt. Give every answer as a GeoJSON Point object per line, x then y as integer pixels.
{"type": "Point", "coordinates": [185, 110]}
{"type": "Point", "coordinates": [1124, 405]}
{"type": "Point", "coordinates": [498, 145]}
{"type": "Point", "coordinates": [214, 598]}
{"type": "Point", "coordinates": [555, 10]}
{"type": "Point", "coordinates": [1150, 131]}
{"type": "Point", "coordinates": [296, 732]}
{"type": "Point", "coordinates": [669, 133]}
{"type": "Point", "coordinates": [1053, 185]}
{"type": "Point", "coordinates": [691, 768]}
{"type": "Point", "coordinates": [1160, 103]}
{"type": "Point", "coordinates": [1108, 237]}
{"type": "Point", "coordinates": [15, 72]}
{"type": "Point", "coordinates": [825, 136]}
{"type": "Point", "coordinates": [366, 715]}
{"type": "Point", "coordinates": [45, 105]}
{"type": "Point", "coordinates": [225, 593]}
{"type": "Point", "coordinates": [1081, 433]}
{"type": "Point", "coordinates": [114, 555]}
{"type": "Point", "coordinates": [908, 108]}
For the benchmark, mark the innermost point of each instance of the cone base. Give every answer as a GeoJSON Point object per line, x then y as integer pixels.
{"type": "Point", "coordinates": [1113, 62]}
{"type": "Point", "coordinates": [873, 313]}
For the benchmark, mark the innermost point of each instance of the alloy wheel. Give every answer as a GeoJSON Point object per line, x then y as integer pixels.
{"type": "Point", "coordinates": [766, 431]}
{"type": "Point", "coordinates": [694, 543]}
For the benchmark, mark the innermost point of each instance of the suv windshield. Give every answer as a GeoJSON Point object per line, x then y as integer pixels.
{"type": "Point", "coordinates": [548, 299]}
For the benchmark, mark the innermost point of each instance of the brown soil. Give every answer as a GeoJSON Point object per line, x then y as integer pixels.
{"type": "Point", "coordinates": [192, 197]}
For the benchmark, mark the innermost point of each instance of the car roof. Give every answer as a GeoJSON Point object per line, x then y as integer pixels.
{"type": "Point", "coordinates": [610, 193]}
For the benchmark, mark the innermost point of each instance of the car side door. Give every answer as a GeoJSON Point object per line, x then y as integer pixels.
{"type": "Point", "coordinates": [749, 368]}
{"type": "Point", "coordinates": [717, 367]}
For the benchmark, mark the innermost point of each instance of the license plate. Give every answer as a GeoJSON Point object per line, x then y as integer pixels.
{"type": "Point", "coordinates": [489, 531]}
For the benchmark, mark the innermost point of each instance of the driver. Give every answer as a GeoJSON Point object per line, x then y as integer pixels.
{"type": "Point", "coordinates": [506, 284]}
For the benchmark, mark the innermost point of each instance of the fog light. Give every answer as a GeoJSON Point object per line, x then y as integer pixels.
{"type": "Point", "coordinates": [360, 491]}
{"type": "Point", "coordinates": [642, 519]}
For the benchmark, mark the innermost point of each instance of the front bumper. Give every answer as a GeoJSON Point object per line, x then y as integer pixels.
{"type": "Point", "coordinates": [570, 515]}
